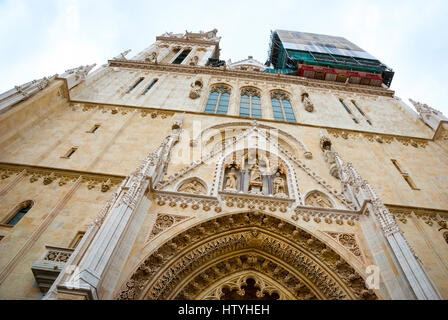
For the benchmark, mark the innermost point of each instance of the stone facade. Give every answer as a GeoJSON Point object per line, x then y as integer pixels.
{"type": "Point", "coordinates": [135, 191]}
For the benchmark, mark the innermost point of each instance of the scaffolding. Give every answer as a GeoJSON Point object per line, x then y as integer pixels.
{"type": "Point", "coordinates": [332, 66]}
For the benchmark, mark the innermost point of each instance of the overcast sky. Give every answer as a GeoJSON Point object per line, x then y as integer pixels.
{"type": "Point", "coordinates": [43, 37]}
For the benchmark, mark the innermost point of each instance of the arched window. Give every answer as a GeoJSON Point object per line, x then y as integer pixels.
{"type": "Point", "coordinates": [19, 212]}
{"type": "Point", "coordinates": [282, 107]}
{"type": "Point", "coordinates": [218, 100]}
{"type": "Point", "coordinates": [250, 105]}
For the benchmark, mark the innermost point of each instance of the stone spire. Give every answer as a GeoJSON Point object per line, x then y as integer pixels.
{"type": "Point", "coordinates": [430, 116]}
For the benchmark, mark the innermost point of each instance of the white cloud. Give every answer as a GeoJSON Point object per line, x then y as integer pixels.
{"type": "Point", "coordinates": [40, 38]}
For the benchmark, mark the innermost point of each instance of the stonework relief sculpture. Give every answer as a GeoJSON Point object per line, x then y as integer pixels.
{"type": "Point", "coordinates": [255, 182]}
{"type": "Point", "coordinates": [279, 186]}
{"type": "Point", "coordinates": [196, 88]}
{"type": "Point", "coordinates": [318, 199]}
{"type": "Point", "coordinates": [194, 186]}
{"type": "Point", "coordinates": [307, 102]}
{"type": "Point", "coordinates": [152, 58]}
{"type": "Point", "coordinates": [231, 181]}
{"type": "Point", "coordinates": [194, 61]}
{"type": "Point", "coordinates": [330, 156]}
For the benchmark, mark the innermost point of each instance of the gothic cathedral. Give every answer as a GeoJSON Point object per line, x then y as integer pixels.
{"type": "Point", "coordinates": [176, 175]}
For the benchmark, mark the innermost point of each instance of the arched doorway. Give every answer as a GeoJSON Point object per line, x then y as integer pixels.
{"type": "Point", "coordinates": [250, 255]}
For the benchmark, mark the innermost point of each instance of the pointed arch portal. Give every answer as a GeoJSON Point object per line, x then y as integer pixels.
{"type": "Point", "coordinates": [251, 255]}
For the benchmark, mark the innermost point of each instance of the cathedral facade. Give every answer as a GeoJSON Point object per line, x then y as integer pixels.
{"type": "Point", "coordinates": [176, 175]}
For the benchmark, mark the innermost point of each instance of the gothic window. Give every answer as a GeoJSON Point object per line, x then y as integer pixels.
{"type": "Point", "coordinates": [361, 112]}
{"type": "Point", "coordinates": [218, 100]}
{"type": "Point", "coordinates": [318, 199]}
{"type": "Point", "coordinates": [348, 111]}
{"type": "Point", "coordinates": [405, 175]}
{"type": "Point", "coordinates": [135, 84]}
{"type": "Point", "coordinates": [250, 104]}
{"type": "Point", "coordinates": [181, 57]}
{"type": "Point", "coordinates": [150, 86]}
{"type": "Point", "coordinates": [77, 239]}
{"type": "Point", "coordinates": [19, 212]}
{"type": "Point", "coordinates": [281, 107]}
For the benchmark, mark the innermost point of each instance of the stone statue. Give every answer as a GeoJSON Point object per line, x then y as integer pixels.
{"type": "Point", "coordinates": [307, 102]}
{"type": "Point", "coordinates": [196, 88]}
{"type": "Point", "coordinates": [279, 185]}
{"type": "Point", "coordinates": [255, 173]}
{"type": "Point", "coordinates": [232, 179]}
{"type": "Point", "coordinates": [194, 61]}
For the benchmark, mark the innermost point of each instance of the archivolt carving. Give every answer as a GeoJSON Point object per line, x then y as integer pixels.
{"type": "Point", "coordinates": [184, 266]}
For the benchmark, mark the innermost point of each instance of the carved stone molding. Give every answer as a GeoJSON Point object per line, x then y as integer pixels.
{"type": "Point", "coordinates": [431, 217]}
{"type": "Point", "coordinates": [256, 76]}
{"type": "Point", "coordinates": [50, 176]}
{"type": "Point", "coordinates": [327, 216]}
{"type": "Point", "coordinates": [120, 110]}
{"type": "Point", "coordinates": [379, 137]}
{"type": "Point", "coordinates": [253, 202]}
{"type": "Point", "coordinates": [182, 267]}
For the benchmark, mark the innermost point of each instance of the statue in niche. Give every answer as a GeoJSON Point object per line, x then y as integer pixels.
{"type": "Point", "coordinates": [232, 180]}
{"type": "Point", "coordinates": [318, 199]}
{"type": "Point", "coordinates": [255, 181]}
{"type": "Point", "coordinates": [279, 186]}
{"type": "Point", "coordinates": [196, 88]}
{"type": "Point", "coordinates": [307, 102]}
{"type": "Point", "coordinates": [193, 187]}
{"type": "Point", "coordinates": [152, 57]}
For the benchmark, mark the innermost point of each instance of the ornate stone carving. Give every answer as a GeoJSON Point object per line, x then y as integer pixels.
{"type": "Point", "coordinates": [255, 181]}
{"type": "Point", "coordinates": [152, 57]}
{"type": "Point", "coordinates": [193, 186]}
{"type": "Point", "coordinates": [196, 88]}
{"type": "Point", "coordinates": [231, 181]}
{"type": "Point", "coordinates": [337, 216]}
{"type": "Point", "coordinates": [307, 102]}
{"type": "Point", "coordinates": [430, 116]}
{"type": "Point", "coordinates": [329, 155]}
{"type": "Point", "coordinates": [318, 199]}
{"type": "Point", "coordinates": [164, 222]}
{"type": "Point", "coordinates": [445, 236]}
{"type": "Point", "coordinates": [259, 241]}
{"type": "Point", "coordinates": [279, 186]}
{"type": "Point", "coordinates": [348, 240]}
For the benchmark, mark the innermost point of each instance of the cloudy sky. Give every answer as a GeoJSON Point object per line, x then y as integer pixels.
{"type": "Point", "coordinates": [43, 37]}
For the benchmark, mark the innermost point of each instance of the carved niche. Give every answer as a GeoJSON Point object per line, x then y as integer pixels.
{"type": "Point", "coordinates": [330, 156]}
{"type": "Point", "coordinates": [194, 186]}
{"type": "Point", "coordinates": [318, 199]}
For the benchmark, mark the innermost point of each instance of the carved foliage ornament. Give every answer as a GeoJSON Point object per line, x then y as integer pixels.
{"type": "Point", "coordinates": [187, 264]}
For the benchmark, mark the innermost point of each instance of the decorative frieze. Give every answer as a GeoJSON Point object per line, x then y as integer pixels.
{"type": "Point", "coordinates": [328, 216]}
{"type": "Point", "coordinates": [120, 110]}
{"type": "Point", "coordinates": [164, 222]}
{"type": "Point", "coordinates": [50, 176]}
{"type": "Point", "coordinates": [379, 137]}
{"type": "Point", "coordinates": [436, 218]}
